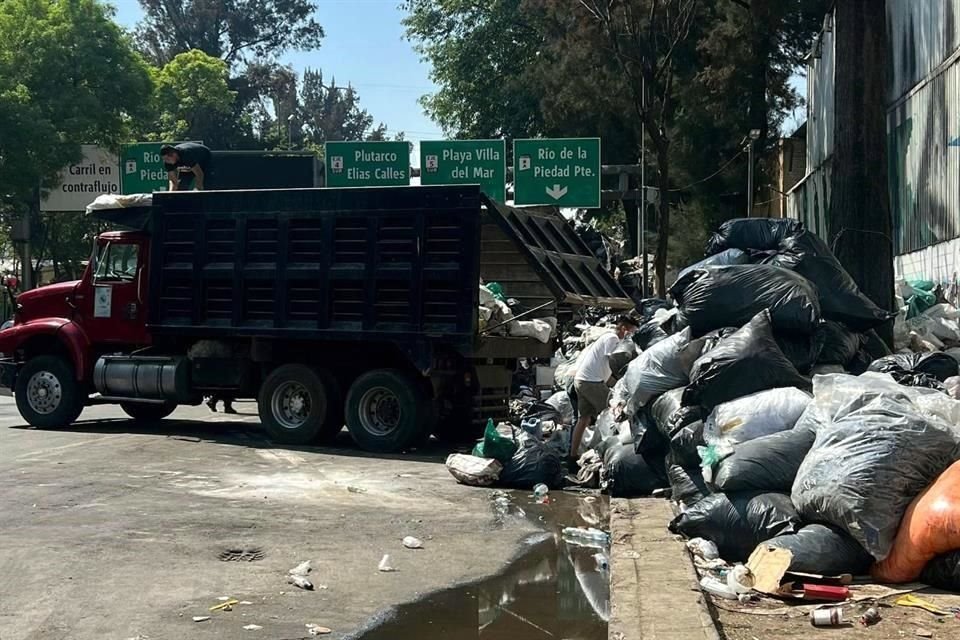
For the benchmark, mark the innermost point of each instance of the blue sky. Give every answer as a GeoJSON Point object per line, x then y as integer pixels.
{"type": "Point", "coordinates": [364, 46]}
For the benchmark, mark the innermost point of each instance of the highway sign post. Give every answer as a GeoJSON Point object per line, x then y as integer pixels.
{"type": "Point", "coordinates": [560, 171]}
{"type": "Point", "coordinates": [367, 164]}
{"type": "Point", "coordinates": [482, 162]}
{"type": "Point", "coordinates": [141, 168]}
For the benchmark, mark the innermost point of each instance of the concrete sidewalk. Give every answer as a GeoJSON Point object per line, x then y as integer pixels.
{"type": "Point", "coordinates": [654, 593]}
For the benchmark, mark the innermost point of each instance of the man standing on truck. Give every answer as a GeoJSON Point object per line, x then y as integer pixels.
{"type": "Point", "coordinates": [593, 379]}
{"type": "Point", "coordinates": [186, 163]}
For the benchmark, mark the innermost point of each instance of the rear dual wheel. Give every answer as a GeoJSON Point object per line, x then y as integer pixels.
{"type": "Point", "coordinates": [299, 404]}
{"type": "Point", "coordinates": [388, 410]}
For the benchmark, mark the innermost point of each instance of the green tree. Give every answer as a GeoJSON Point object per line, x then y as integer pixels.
{"type": "Point", "coordinates": [68, 75]}
{"type": "Point", "coordinates": [236, 31]}
{"type": "Point", "coordinates": [484, 57]}
{"type": "Point", "coordinates": [192, 99]}
{"type": "Point", "coordinates": [332, 113]}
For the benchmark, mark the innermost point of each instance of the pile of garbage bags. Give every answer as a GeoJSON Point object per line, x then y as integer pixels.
{"type": "Point", "coordinates": [769, 409]}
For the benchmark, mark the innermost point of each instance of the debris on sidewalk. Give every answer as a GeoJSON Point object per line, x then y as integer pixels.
{"type": "Point", "coordinates": [298, 576]}
{"type": "Point", "coordinates": [200, 618]}
{"type": "Point", "coordinates": [317, 630]}
{"type": "Point", "coordinates": [385, 564]}
{"type": "Point", "coordinates": [412, 543]}
{"type": "Point", "coordinates": [225, 606]}
{"type": "Point", "coordinates": [252, 627]}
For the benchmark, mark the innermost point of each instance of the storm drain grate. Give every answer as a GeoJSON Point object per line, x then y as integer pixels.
{"type": "Point", "coordinates": [251, 554]}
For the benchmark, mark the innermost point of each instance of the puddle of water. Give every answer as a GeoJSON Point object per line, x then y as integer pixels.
{"type": "Point", "coordinates": [553, 589]}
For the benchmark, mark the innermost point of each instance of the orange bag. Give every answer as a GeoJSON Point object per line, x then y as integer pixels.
{"type": "Point", "coordinates": [930, 527]}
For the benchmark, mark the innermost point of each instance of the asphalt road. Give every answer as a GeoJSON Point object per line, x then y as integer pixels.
{"type": "Point", "coordinates": [116, 530]}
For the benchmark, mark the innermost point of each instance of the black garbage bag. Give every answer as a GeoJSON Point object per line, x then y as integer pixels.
{"type": "Point", "coordinates": [801, 350]}
{"type": "Point", "coordinates": [760, 234]}
{"type": "Point", "coordinates": [664, 408]}
{"type": "Point", "coordinates": [649, 306]}
{"type": "Point", "coordinates": [684, 442]}
{"type": "Point", "coordinates": [724, 258]}
{"type": "Point", "coordinates": [649, 334]}
{"type": "Point", "coordinates": [943, 572]}
{"type": "Point", "coordinates": [866, 466]}
{"type": "Point", "coordinates": [902, 365]}
{"type": "Point", "coordinates": [825, 550]}
{"type": "Point", "coordinates": [738, 522]}
{"type": "Point", "coordinates": [718, 297]}
{"type": "Point", "coordinates": [840, 344]}
{"type": "Point", "coordinates": [628, 474]}
{"type": "Point", "coordinates": [840, 298]}
{"type": "Point", "coordinates": [743, 363]}
{"type": "Point", "coordinates": [874, 345]}
{"type": "Point", "coordinates": [768, 463]}
{"type": "Point", "coordinates": [713, 338]}
{"type": "Point", "coordinates": [647, 438]}
{"type": "Point", "coordinates": [687, 484]}
{"type": "Point", "coordinates": [532, 463]}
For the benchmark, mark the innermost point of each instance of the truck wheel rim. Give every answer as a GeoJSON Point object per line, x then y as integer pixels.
{"type": "Point", "coordinates": [379, 411]}
{"type": "Point", "coordinates": [44, 392]}
{"type": "Point", "coordinates": [291, 405]}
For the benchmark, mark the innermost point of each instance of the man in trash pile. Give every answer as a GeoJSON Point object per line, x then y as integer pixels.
{"type": "Point", "coordinates": [186, 163]}
{"type": "Point", "coordinates": [593, 379]}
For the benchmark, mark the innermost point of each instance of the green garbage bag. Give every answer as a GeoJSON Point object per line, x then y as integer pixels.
{"type": "Point", "coordinates": [495, 445]}
{"type": "Point", "coordinates": [924, 296]}
{"type": "Point", "coordinates": [497, 290]}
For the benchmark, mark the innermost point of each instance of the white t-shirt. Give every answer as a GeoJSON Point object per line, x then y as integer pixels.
{"type": "Point", "coordinates": [593, 365]}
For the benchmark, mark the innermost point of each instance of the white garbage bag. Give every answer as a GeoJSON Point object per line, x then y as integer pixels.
{"type": "Point", "coordinates": [753, 416]}
{"type": "Point", "coordinates": [662, 367]}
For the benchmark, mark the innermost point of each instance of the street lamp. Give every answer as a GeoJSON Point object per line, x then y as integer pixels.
{"type": "Point", "coordinates": [290, 131]}
{"type": "Point", "coordinates": [751, 142]}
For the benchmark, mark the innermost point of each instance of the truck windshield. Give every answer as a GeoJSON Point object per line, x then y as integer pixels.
{"type": "Point", "coordinates": [117, 262]}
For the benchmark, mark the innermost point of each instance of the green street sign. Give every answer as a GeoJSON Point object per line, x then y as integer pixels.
{"type": "Point", "coordinates": [482, 162]}
{"type": "Point", "coordinates": [558, 171]}
{"type": "Point", "coordinates": [367, 164]}
{"type": "Point", "coordinates": [141, 168]}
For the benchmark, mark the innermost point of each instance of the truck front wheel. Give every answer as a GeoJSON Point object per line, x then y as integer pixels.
{"type": "Point", "coordinates": [299, 404]}
{"type": "Point", "coordinates": [47, 393]}
{"type": "Point", "coordinates": [387, 411]}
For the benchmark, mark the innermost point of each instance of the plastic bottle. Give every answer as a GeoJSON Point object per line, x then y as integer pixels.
{"type": "Point", "coordinates": [717, 588]}
{"type": "Point", "coordinates": [586, 534]}
{"type": "Point", "coordinates": [540, 492]}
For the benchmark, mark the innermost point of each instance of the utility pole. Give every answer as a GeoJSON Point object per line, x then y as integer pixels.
{"type": "Point", "coordinates": [859, 225]}
{"type": "Point", "coordinates": [642, 200]}
{"type": "Point", "coordinates": [751, 144]}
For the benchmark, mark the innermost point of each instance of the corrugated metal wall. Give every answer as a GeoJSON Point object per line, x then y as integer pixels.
{"type": "Point", "coordinates": [923, 145]}
{"type": "Point", "coordinates": [923, 34]}
{"type": "Point", "coordinates": [820, 73]}
{"type": "Point", "coordinates": [809, 201]}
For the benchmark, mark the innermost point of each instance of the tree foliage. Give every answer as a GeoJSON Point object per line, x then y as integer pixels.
{"type": "Point", "coordinates": [192, 100]}
{"type": "Point", "coordinates": [68, 75]}
{"type": "Point", "coordinates": [236, 31]}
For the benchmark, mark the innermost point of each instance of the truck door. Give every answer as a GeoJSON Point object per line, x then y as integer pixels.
{"type": "Point", "coordinates": [113, 307]}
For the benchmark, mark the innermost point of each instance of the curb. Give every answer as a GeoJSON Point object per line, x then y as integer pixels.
{"type": "Point", "coordinates": [654, 591]}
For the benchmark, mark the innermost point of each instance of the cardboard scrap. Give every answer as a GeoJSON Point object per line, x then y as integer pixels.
{"type": "Point", "coordinates": [768, 566]}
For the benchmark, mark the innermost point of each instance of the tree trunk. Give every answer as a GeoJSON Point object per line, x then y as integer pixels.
{"type": "Point", "coordinates": [859, 223]}
{"type": "Point", "coordinates": [663, 221]}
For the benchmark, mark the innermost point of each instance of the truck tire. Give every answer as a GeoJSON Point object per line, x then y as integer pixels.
{"type": "Point", "coordinates": [387, 411]}
{"type": "Point", "coordinates": [144, 412]}
{"type": "Point", "coordinates": [47, 393]}
{"type": "Point", "coordinates": [297, 404]}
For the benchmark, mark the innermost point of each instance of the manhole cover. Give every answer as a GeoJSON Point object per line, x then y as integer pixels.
{"type": "Point", "coordinates": [250, 554]}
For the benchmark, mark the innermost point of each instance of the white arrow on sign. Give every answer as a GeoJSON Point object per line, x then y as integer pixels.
{"type": "Point", "coordinates": [556, 192]}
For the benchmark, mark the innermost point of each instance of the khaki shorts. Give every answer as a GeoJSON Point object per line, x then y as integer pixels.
{"type": "Point", "coordinates": [592, 398]}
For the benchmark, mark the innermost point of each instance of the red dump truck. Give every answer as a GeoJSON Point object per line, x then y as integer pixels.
{"type": "Point", "coordinates": [328, 306]}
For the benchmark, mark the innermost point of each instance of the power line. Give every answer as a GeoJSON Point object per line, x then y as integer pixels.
{"type": "Point", "coordinates": [712, 175]}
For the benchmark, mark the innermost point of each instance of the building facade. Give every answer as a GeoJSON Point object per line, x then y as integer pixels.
{"type": "Point", "coordinates": [923, 136]}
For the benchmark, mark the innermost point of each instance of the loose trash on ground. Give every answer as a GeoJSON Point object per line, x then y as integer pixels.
{"type": "Point", "coordinates": [252, 627]}
{"type": "Point", "coordinates": [225, 606]}
{"type": "Point", "coordinates": [412, 543]}
{"type": "Point", "coordinates": [386, 564]}
{"type": "Point", "coordinates": [473, 470]}
{"type": "Point", "coordinates": [317, 630]}
{"type": "Point", "coordinates": [298, 576]}
{"type": "Point", "coordinates": [200, 618]}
